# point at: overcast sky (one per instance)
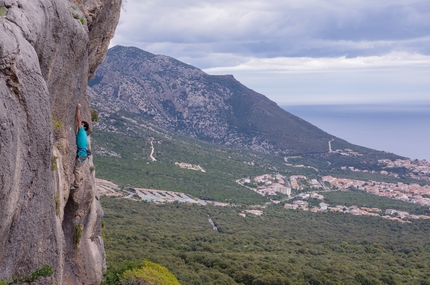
(294, 51)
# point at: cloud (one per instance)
(294, 51)
(337, 64)
(277, 28)
(395, 78)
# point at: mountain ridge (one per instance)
(214, 108)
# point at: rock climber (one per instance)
(83, 151)
(81, 136)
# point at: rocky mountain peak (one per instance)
(215, 108)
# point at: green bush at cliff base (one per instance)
(150, 273)
(44, 271)
(112, 276)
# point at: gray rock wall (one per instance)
(48, 51)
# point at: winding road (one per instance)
(152, 152)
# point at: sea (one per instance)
(403, 129)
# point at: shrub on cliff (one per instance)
(44, 271)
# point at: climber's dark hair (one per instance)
(86, 126)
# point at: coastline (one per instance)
(400, 129)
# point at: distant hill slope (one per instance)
(218, 109)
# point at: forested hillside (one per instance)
(280, 247)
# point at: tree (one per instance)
(149, 273)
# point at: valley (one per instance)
(215, 214)
(217, 183)
(152, 164)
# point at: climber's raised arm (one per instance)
(78, 117)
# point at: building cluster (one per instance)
(267, 184)
(190, 166)
(418, 169)
(161, 196)
(323, 207)
(412, 193)
(297, 205)
(108, 189)
(298, 182)
(347, 152)
(295, 181)
(315, 184)
(101, 151)
(383, 172)
(253, 212)
(270, 184)
(390, 214)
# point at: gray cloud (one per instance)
(279, 28)
(294, 51)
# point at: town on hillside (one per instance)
(272, 185)
(415, 169)
(296, 190)
(412, 193)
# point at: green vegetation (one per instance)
(149, 273)
(2, 11)
(136, 169)
(56, 124)
(224, 165)
(57, 127)
(280, 247)
(373, 176)
(44, 271)
(57, 203)
(94, 116)
(76, 15)
(363, 199)
(54, 162)
(331, 165)
(77, 235)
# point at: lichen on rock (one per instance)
(46, 59)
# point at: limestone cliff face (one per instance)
(48, 51)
